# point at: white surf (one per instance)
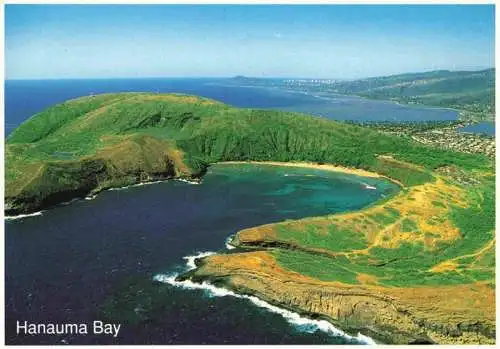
(371, 187)
(187, 181)
(302, 323)
(228, 243)
(11, 218)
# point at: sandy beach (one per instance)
(325, 167)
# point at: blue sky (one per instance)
(329, 41)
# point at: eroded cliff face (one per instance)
(390, 315)
(131, 160)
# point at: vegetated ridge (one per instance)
(468, 90)
(472, 93)
(418, 267)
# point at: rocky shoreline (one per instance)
(23, 207)
(223, 282)
(380, 315)
(388, 315)
(94, 172)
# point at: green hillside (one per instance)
(91, 143)
(473, 91)
(470, 92)
(421, 264)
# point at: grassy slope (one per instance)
(468, 90)
(431, 249)
(472, 92)
(436, 231)
(401, 243)
(206, 131)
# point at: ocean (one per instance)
(24, 98)
(113, 258)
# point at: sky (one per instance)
(320, 41)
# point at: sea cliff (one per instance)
(418, 267)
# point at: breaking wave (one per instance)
(92, 197)
(65, 203)
(190, 259)
(228, 243)
(187, 181)
(138, 185)
(155, 182)
(367, 186)
(302, 323)
(11, 218)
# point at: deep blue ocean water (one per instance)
(96, 259)
(23, 98)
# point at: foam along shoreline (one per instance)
(302, 323)
(39, 213)
(155, 182)
(93, 196)
(140, 184)
(12, 218)
(187, 181)
(228, 243)
(190, 260)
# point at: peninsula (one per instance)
(418, 267)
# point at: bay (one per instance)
(97, 259)
(485, 127)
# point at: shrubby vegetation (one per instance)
(472, 92)
(207, 132)
(97, 142)
(136, 135)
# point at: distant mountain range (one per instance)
(471, 91)
(417, 267)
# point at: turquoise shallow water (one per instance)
(97, 259)
(306, 191)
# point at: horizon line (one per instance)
(241, 76)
